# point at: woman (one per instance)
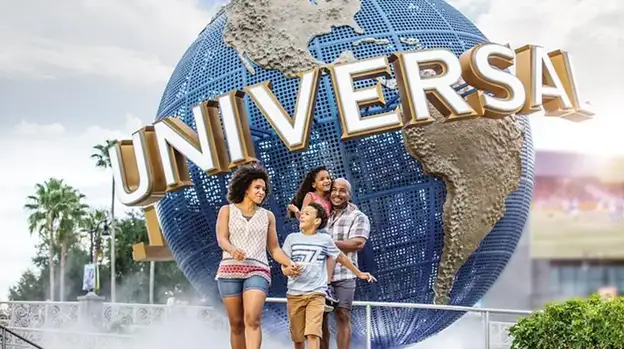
(244, 232)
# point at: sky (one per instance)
(76, 72)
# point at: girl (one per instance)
(315, 188)
(245, 231)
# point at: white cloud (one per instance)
(39, 152)
(31, 129)
(48, 59)
(135, 41)
(593, 36)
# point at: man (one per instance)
(349, 228)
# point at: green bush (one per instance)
(591, 323)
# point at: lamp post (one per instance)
(151, 282)
(113, 247)
(95, 240)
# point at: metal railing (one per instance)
(31, 319)
(486, 312)
(4, 332)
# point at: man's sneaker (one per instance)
(330, 300)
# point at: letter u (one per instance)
(137, 169)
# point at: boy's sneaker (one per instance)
(328, 308)
(330, 300)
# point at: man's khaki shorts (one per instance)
(305, 314)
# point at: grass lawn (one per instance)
(588, 235)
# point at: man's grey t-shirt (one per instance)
(310, 252)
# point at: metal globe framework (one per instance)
(403, 204)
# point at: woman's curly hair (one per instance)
(242, 178)
(305, 187)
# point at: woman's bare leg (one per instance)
(234, 309)
(253, 301)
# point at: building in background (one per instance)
(576, 226)
(574, 242)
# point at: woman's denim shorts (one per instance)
(236, 287)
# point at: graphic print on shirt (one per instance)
(308, 253)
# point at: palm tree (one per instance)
(102, 160)
(47, 207)
(67, 235)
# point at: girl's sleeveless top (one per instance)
(250, 236)
(321, 201)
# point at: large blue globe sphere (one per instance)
(404, 204)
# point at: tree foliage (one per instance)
(592, 323)
(132, 277)
(71, 234)
(55, 210)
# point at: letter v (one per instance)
(294, 131)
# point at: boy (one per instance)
(306, 291)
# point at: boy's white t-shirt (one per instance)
(310, 252)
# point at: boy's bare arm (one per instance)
(344, 260)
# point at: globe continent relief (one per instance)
(447, 202)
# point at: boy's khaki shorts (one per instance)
(305, 314)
